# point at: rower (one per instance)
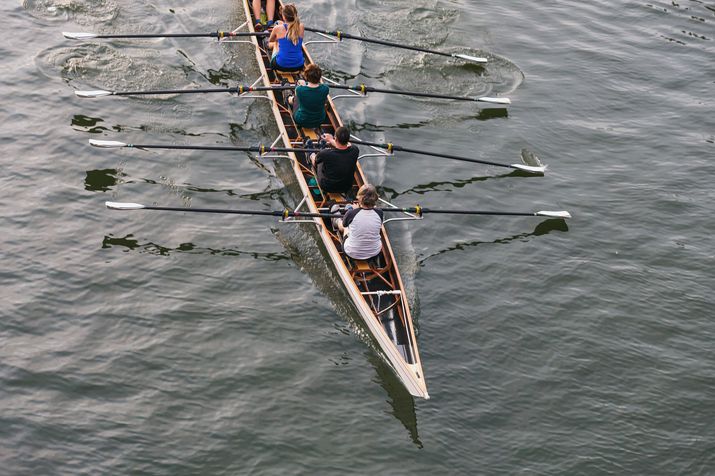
(287, 41)
(361, 226)
(270, 9)
(335, 165)
(309, 99)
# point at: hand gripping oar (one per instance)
(108, 144)
(246, 89)
(392, 147)
(340, 35)
(214, 34)
(292, 213)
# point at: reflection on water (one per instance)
(543, 228)
(131, 244)
(403, 404)
(102, 180)
(89, 124)
(492, 113)
(449, 185)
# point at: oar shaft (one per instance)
(174, 91)
(236, 90)
(213, 34)
(193, 147)
(340, 35)
(420, 210)
(433, 154)
(215, 210)
(369, 89)
(263, 149)
(275, 213)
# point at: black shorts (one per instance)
(275, 65)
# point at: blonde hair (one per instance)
(290, 15)
(367, 195)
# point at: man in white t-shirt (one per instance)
(361, 226)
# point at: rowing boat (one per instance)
(375, 288)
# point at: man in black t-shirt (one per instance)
(335, 166)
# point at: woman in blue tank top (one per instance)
(287, 41)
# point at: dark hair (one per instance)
(313, 73)
(367, 196)
(342, 135)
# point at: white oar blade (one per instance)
(93, 94)
(124, 206)
(473, 59)
(532, 169)
(560, 214)
(106, 144)
(494, 100)
(78, 36)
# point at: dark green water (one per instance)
(149, 343)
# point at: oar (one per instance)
(214, 34)
(109, 144)
(245, 89)
(392, 147)
(340, 35)
(292, 213)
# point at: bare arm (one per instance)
(274, 33)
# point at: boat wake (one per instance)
(85, 12)
(530, 158)
(101, 66)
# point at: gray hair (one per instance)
(367, 195)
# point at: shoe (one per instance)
(308, 144)
(334, 221)
(258, 26)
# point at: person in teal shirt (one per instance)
(309, 99)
